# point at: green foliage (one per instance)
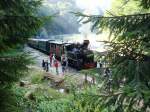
(37, 78)
(12, 100)
(46, 94)
(129, 57)
(71, 81)
(9, 71)
(121, 7)
(21, 101)
(44, 99)
(91, 72)
(53, 106)
(145, 4)
(18, 22)
(86, 101)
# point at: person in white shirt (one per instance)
(98, 66)
(53, 58)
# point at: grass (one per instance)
(45, 98)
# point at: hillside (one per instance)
(64, 22)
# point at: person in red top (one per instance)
(51, 58)
(56, 66)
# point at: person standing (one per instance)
(66, 59)
(98, 67)
(51, 58)
(107, 72)
(63, 63)
(56, 66)
(46, 66)
(43, 64)
(100, 63)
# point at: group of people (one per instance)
(55, 63)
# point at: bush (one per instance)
(46, 94)
(36, 77)
(19, 102)
(71, 81)
(59, 105)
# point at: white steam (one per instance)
(92, 7)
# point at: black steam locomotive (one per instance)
(79, 56)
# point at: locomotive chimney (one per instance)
(86, 42)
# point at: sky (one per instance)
(94, 7)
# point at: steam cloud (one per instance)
(91, 7)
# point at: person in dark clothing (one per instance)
(101, 65)
(64, 62)
(43, 64)
(107, 72)
(63, 65)
(51, 58)
(46, 66)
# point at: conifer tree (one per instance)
(129, 54)
(18, 22)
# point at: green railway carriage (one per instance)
(42, 45)
(33, 43)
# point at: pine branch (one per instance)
(99, 16)
(128, 55)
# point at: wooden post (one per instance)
(85, 81)
(93, 80)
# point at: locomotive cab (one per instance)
(88, 59)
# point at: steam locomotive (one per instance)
(79, 56)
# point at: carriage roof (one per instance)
(34, 39)
(56, 42)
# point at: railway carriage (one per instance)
(43, 45)
(57, 47)
(33, 43)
